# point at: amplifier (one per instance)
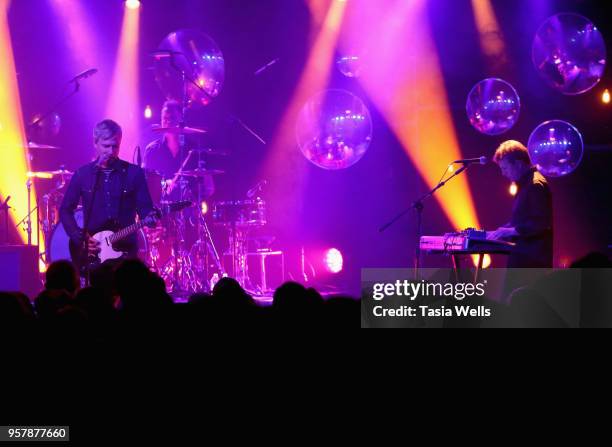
(19, 270)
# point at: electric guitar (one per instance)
(81, 257)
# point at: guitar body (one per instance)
(106, 248)
(107, 251)
(107, 238)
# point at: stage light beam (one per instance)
(605, 97)
(83, 49)
(403, 77)
(283, 164)
(123, 105)
(15, 163)
(492, 42)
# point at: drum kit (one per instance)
(181, 247)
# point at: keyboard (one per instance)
(466, 242)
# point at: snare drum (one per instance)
(242, 213)
(58, 245)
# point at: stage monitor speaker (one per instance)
(19, 270)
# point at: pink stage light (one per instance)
(334, 260)
(148, 113)
(123, 98)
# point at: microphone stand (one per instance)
(77, 87)
(419, 207)
(188, 79)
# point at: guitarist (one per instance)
(111, 191)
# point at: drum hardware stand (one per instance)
(202, 230)
(303, 264)
(204, 238)
(178, 267)
(179, 264)
(27, 220)
(5, 207)
(238, 240)
(47, 221)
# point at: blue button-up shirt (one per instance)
(121, 194)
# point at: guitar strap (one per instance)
(124, 178)
(83, 263)
(89, 210)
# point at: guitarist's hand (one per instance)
(93, 246)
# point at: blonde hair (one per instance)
(106, 129)
(513, 151)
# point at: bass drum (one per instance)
(58, 248)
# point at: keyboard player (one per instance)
(531, 224)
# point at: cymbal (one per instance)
(47, 175)
(179, 130)
(62, 173)
(32, 145)
(201, 172)
(210, 151)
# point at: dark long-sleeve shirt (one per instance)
(121, 194)
(159, 158)
(532, 216)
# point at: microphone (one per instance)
(469, 161)
(255, 189)
(265, 67)
(84, 75)
(138, 157)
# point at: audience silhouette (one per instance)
(128, 296)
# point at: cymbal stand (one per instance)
(6, 207)
(204, 245)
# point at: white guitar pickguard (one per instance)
(106, 249)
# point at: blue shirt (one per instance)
(121, 194)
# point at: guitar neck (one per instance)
(127, 231)
(122, 234)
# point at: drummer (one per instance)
(166, 155)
